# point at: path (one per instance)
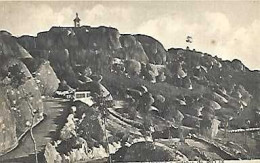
(43, 133)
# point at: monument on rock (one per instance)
(77, 21)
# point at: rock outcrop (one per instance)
(148, 152)
(188, 80)
(133, 49)
(8, 137)
(46, 79)
(21, 97)
(9, 47)
(153, 49)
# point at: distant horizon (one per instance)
(229, 30)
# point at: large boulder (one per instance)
(218, 98)
(148, 152)
(21, 100)
(186, 83)
(9, 47)
(46, 79)
(51, 155)
(8, 137)
(133, 49)
(148, 73)
(57, 37)
(153, 68)
(172, 114)
(208, 61)
(237, 65)
(62, 64)
(191, 121)
(44, 75)
(153, 49)
(235, 104)
(91, 128)
(44, 41)
(28, 42)
(132, 67)
(210, 103)
(104, 37)
(245, 96)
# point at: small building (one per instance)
(83, 96)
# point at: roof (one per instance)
(77, 19)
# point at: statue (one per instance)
(77, 21)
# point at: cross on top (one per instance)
(77, 21)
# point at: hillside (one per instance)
(191, 98)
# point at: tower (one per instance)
(77, 21)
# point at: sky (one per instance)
(228, 29)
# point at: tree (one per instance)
(102, 105)
(145, 104)
(16, 75)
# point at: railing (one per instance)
(243, 130)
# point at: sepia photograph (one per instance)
(130, 81)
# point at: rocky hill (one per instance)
(166, 93)
(21, 105)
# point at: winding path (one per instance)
(43, 133)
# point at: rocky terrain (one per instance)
(150, 103)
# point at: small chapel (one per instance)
(77, 21)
